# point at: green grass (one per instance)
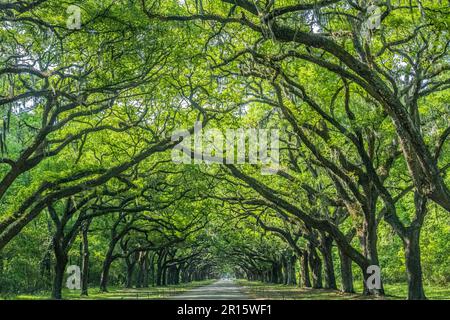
(115, 293)
(259, 290)
(400, 291)
(253, 289)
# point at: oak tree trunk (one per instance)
(316, 268)
(326, 250)
(304, 270)
(60, 267)
(413, 265)
(346, 273)
(85, 259)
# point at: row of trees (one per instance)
(365, 114)
(84, 114)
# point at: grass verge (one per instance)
(264, 291)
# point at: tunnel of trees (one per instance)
(87, 115)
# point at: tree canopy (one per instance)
(359, 92)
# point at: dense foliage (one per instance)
(87, 175)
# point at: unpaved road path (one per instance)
(220, 290)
